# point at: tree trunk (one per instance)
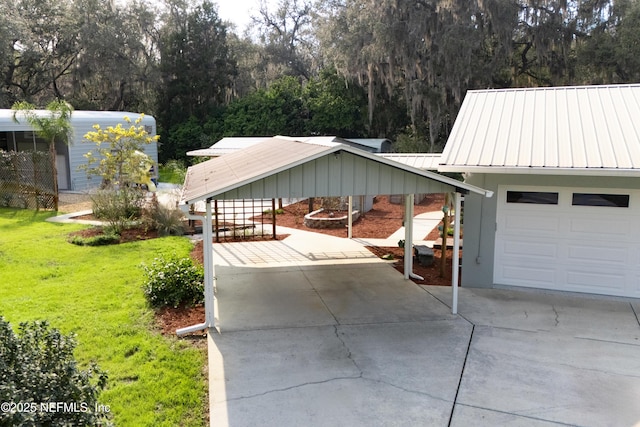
(54, 168)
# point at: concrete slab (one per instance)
(386, 374)
(373, 294)
(417, 357)
(552, 377)
(289, 296)
(268, 298)
(579, 315)
(464, 416)
(312, 339)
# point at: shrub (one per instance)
(99, 240)
(173, 281)
(37, 369)
(168, 221)
(118, 207)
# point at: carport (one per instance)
(283, 167)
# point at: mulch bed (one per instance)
(128, 235)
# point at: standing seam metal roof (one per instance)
(579, 129)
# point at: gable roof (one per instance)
(582, 130)
(286, 167)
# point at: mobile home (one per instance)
(20, 136)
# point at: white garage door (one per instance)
(569, 239)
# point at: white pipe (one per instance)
(415, 276)
(455, 255)
(189, 329)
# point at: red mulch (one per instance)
(128, 235)
(380, 222)
(168, 319)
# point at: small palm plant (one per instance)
(54, 127)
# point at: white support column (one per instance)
(210, 300)
(350, 218)
(408, 235)
(209, 294)
(456, 254)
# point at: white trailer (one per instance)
(21, 137)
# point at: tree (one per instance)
(56, 126)
(43, 53)
(287, 38)
(118, 66)
(336, 106)
(195, 63)
(278, 110)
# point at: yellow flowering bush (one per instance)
(121, 163)
(118, 157)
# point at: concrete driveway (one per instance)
(332, 336)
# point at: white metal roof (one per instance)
(227, 145)
(560, 130)
(77, 117)
(425, 161)
(230, 144)
(286, 167)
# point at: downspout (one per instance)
(408, 238)
(210, 301)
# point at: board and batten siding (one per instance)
(338, 174)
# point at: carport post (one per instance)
(456, 253)
(408, 235)
(207, 251)
(350, 218)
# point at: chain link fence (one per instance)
(26, 180)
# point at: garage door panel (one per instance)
(596, 280)
(531, 225)
(593, 249)
(615, 257)
(600, 229)
(526, 276)
(530, 249)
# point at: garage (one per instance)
(564, 163)
(568, 239)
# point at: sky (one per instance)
(238, 11)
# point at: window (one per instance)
(610, 200)
(533, 197)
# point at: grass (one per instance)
(96, 293)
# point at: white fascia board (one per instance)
(541, 171)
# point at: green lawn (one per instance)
(96, 293)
